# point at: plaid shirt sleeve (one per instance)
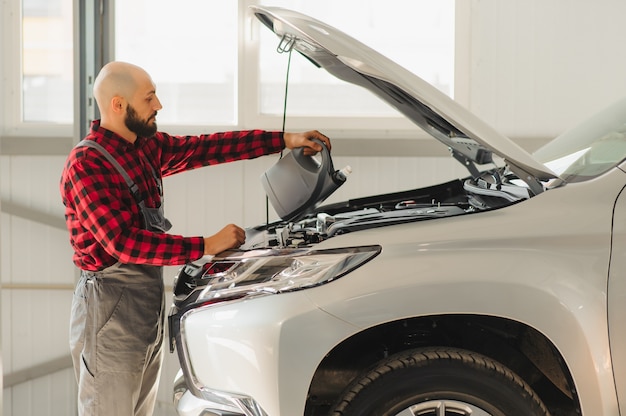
(180, 153)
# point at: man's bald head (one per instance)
(127, 100)
(117, 79)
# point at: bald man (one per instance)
(111, 187)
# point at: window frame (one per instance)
(248, 116)
(11, 122)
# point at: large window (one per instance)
(47, 62)
(191, 51)
(214, 64)
(418, 35)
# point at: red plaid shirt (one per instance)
(104, 220)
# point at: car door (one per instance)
(616, 298)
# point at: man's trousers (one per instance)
(116, 339)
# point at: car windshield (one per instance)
(590, 149)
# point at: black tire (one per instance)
(425, 382)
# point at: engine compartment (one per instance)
(492, 189)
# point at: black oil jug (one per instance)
(297, 183)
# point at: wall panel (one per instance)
(37, 277)
(538, 67)
(52, 395)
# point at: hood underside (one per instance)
(468, 137)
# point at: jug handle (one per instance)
(310, 163)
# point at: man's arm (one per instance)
(228, 237)
(180, 153)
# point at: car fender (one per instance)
(526, 263)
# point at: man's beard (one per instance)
(138, 126)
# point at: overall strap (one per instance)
(131, 184)
(153, 218)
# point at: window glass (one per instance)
(47, 61)
(189, 47)
(418, 35)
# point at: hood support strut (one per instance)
(466, 161)
(535, 186)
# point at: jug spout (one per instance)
(340, 176)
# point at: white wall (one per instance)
(536, 67)
(1, 382)
(531, 68)
(37, 277)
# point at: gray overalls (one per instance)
(116, 327)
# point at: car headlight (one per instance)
(261, 272)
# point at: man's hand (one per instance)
(293, 140)
(228, 237)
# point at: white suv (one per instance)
(502, 293)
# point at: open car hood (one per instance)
(469, 139)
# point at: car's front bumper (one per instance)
(230, 356)
(213, 404)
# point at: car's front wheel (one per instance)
(440, 382)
